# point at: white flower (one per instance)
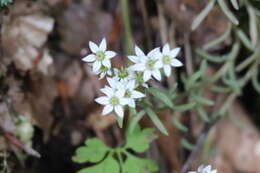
(206, 169)
(103, 71)
(124, 74)
(115, 84)
(100, 56)
(131, 94)
(114, 100)
(168, 59)
(139, 55)
(149, 65)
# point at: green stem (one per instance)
(127, 27)
(119, 155)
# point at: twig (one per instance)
(21, 146)
(162, 23)
(188, 54)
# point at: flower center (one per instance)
(122, 73)
(150, 64)
(139, 78)
(128, 93)
(100, 55)
(114, 101)
(103, 69)
(166, 60)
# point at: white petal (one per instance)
(200, 168)
(107, 109)
(155, 53)
(147, 75)
(120, 93)
(120, 85)
(137, 67)
(109, 72)
(103, 45)
(96, 66)
(134, 59)
(112, 82)
(106, 63)
(131, 103)
(167, 70)
(175, 52)
(166, 48)
(138, 51)
(137, 94)
(207, 168)
(93, 47)
(143, 59)
(157, 75)
(124, 101)
(176, 63)
(102, 75)
(110, 54)
(108, 91)
(158, 64)
(214, 171)
(131, 84)
(102, 100)
(119, 111)
(145, 85)
(89, 58)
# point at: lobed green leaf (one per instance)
(139, 165)
(140, 140)
(109, 165)
(94, 151)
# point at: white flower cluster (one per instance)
(124, 84)
(205, 169)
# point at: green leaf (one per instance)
(184, 107)
(186, 144)
(228, 12)
(139, 165)
(211, 58)
(138, 140)
(94, 151)
(135, 120)
(244, 39)
(109, 165)
(196, 76)
(220, 39)
(253, 25)
(235, 4)
(255, 81)
(220, 89)
(178, 124)
(203, 14)
(233, 80)
(203, 114)
(156, 120)
(161, 96)
(202, 100)
(172, 91)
